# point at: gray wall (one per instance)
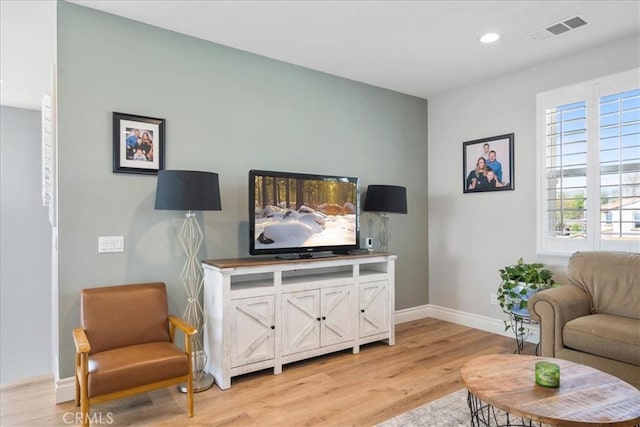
(227, 111)
(472, 235)
(25, 251)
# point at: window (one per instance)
(589, 165)
(608, 217)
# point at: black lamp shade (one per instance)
(386, 198)
(188, 191)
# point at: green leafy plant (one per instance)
(519, 282)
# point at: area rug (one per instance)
(450, 410)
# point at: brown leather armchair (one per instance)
(125, 345)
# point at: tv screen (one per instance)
(294, 213)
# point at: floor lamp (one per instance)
(191, 191)
(385, 199)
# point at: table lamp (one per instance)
(384, 199)
(191, 191)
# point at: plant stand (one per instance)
(518, 320)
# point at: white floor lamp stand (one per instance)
(191, 237)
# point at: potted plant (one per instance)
(519, 282)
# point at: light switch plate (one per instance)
(109, 244)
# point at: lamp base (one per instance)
(384, 232)
(205, 383)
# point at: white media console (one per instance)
(266, 312)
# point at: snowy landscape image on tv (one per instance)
(304, 211)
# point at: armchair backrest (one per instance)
(119, 316)
(610, 279)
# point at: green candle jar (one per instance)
(547, 374)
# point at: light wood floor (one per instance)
(339, 389)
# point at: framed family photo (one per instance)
(487, 164)
(138, 144)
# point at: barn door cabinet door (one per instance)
(316, 318)
(374, 308)
(252, 330)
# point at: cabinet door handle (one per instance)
(273, 327)
(318, 319)
(324, 318)
(362, 310)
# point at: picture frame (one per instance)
(138, 144)
(496, 173)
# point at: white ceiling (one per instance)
(420, 48)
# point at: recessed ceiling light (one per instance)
(489, 38)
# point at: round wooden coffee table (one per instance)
(586, 396)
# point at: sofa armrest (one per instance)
(552, 309)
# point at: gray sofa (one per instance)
(595, 318)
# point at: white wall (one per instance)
(25, 251)
(472, 235)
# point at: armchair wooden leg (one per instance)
(83, 390)
(190, 395)
(84, 410)
(77, 372)
(77, 391)
(189, 354)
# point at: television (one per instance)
(299, 215)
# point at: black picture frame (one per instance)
(476, 179)
(147, 155)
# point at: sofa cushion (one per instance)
(610, 279)
(127, 367)
(613, 337)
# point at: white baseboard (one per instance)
(65, 387)
(411, 314)
(65, 390)
(484, 323)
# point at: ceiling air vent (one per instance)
(558, 28)
(575, 22)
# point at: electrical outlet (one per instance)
(494, 299)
